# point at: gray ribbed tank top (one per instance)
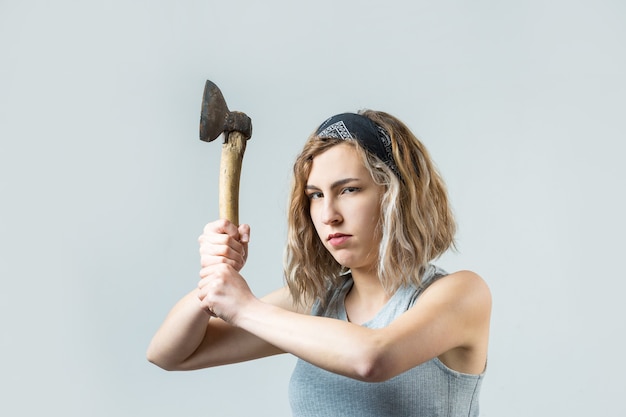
(428, 390)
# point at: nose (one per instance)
(330, 213)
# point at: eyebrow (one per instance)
(334, 185)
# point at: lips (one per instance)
(337, 239)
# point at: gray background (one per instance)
(105, 185)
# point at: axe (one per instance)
(215, 119)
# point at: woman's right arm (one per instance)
(190, 338)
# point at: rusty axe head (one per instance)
(215, 117)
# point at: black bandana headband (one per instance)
(372, 137)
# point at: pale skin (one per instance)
(222, 321)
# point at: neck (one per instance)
(367, 284)
(366, 297)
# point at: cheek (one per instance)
(314, 216)
(374, 222)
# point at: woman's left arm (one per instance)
(449, 320)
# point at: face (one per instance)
(345, 207)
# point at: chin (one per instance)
(346, 262)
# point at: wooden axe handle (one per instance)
(230, 173)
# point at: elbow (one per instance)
(166, 366)
(163, 365)
(372, 371)
(153, 356)
(155, 360)
(373, 365)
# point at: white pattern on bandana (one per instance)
(337, 130)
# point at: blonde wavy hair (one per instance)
(416, 222)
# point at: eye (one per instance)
(314, 195)
(350, 190)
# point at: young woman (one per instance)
(378, 330)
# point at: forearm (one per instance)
(181, 333)
(337, 346)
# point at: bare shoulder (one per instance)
(463, 293)
(450, 320)
(461, 283)
(460, 303)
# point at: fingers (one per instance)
(212, 253)
(244, 233)
(205, 300)
(214, 276)
(223, 242)
(221, 246)
(222, 226)
(211, 285)
(222, 291)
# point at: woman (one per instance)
(378, 330)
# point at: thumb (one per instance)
(244, 234)
(244, 239)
